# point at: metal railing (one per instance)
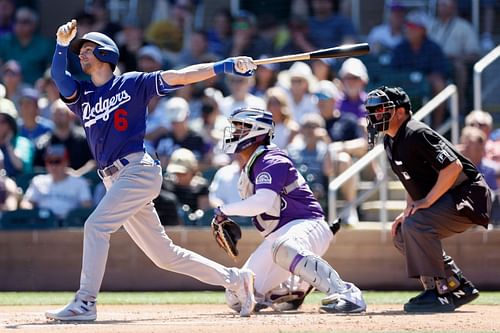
(381, 184)
(478, 70)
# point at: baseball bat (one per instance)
(348, 50)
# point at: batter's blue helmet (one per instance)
(106, 51)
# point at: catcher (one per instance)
(288, 217)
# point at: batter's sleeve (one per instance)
(435, 150)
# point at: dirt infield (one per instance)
(217, 318)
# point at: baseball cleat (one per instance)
(349, 301)
(430, 301)
(245, 293)
(464, 294)
(77, 310)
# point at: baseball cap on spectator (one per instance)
(397, 5)
(8, 111)
(244, 20)
(56, 151)
(12, 66)
(177, 109)
(152, 52)
(327, 90)
(418, 19)
(182, 161)
(30, 93)
(354, 67)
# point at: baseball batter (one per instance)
(287, 215)
(113, 112)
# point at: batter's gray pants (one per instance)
(419, 237)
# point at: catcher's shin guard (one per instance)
(308, 266)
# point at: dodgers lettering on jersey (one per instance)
(274, 170)
(114, 114)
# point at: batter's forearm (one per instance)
(188, 75)
(64, 82)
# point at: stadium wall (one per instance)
(51, 260)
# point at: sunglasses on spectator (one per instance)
(241, 25)
(54, 161)
(476, 124)
(24, 21)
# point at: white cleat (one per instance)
(77, 310)
(245, 293)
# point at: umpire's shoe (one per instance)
(465, 293)
(430, 301)
(78, 310)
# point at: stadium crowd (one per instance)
(318, 107)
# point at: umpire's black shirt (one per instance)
(417, 154)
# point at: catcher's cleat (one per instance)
(245, 293)
(464, 294)
(77, 310)
(350, 301)
(430, 301)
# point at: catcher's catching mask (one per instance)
(247, 126)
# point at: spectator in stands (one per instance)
(210, 125)
(48, 94)
(484, 121)
(132, 40)
(385, 37)
(246, 39)
(6, 105)
(100, 12)
(308, 152)
(417, 53)
(9, 193)
(16, 152)
(472, 146)
(488, 9)
(459, 42)
(285, 128)
(196, 51)
(57, 191)
(32, 51)
(71, 136)
(354, 77)
(347, 142)
(299, 40)
(240, 96)
(13, 80)
(183, 189)
(327, 28)
(7, 9)
(300, 84)
(181, 136)
(219, 33)
(323, 69)
(31, 125)
(266, 77)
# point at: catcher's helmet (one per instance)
(106, 50)
(381, 104)
(247, 126)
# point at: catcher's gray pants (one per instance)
(128, 203)
(419, 237)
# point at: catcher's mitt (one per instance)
(227, 233)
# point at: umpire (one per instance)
(446, 195)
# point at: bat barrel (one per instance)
(350, 50)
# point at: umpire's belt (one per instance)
(113, 168)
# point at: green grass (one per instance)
(204, 297)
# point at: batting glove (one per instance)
(66, 33)
(242, 66)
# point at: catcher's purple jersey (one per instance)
(274, 170)
(114, 114)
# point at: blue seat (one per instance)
(28, 219)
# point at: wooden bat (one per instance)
(348, 50)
